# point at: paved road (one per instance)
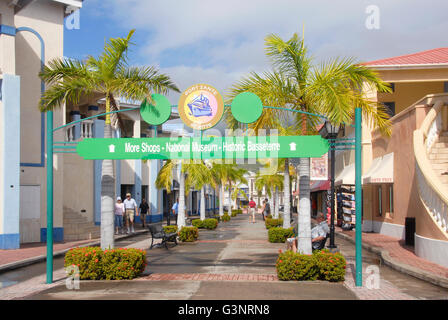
(234, 261)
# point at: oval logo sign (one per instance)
(201, 107)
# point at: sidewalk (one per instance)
(37, 252)
(400, 257)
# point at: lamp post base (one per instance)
(333, 249)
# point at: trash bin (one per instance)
(409, 229)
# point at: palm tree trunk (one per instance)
(181, 210)
(277, 204)
(107, 192)
(221, 200)
(203, 203)
(304, 221)
(229, 209)
(286, 197)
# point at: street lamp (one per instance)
(330, 131)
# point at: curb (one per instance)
(399, 266)
(41, 258)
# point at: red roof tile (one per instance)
(434, 56)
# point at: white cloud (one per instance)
(230, 34)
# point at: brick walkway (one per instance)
(210, 277)
(28, 251)
(398, 251)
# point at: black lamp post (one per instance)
(330, 131)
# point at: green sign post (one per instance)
(247, 147)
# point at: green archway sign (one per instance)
(201, 107)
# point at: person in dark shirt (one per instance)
(144, 208)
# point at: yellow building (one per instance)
(405, 191)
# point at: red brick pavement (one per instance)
(210, 277)
(33, 250)
(398, 251)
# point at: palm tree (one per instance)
(198, 175)
(219, 174)
(237, 191)
(271, 182)
(111, 76)
(234, 176)
(332, 88)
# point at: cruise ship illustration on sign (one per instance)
(200, 107)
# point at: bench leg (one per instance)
(152, 241)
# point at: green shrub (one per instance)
(188, 234)
(271, 223)
(269, 216)
(198, 223)
(296, 266)
(237, 211)
(331, 265)
(210, 224)
(205, 224)
(321, 265)
(113, 264)
(217, 217)
(225, 217)
(279, 235)
(170, 229)
(233, 214)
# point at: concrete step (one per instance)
(438, 156)
(440, 166)
(439, 161)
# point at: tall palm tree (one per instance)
(332, 88)
(111, 76)
(165, 179)
(270, 182)
(198, 175)
(219, 173)
(237, 191)
(235, 175)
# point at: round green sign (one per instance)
(246, 107)
(157, 113)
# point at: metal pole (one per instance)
(332, 245)
(358, 196)
(50, 197)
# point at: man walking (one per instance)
(131, 209)
(144, 208)
(175, 209)
(252, 206)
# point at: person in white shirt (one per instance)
(131, 209)
(119, 211)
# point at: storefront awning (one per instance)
(346, 177)
(381, 170)
(320, 185)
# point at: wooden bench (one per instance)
(157, 232)
(190, 219)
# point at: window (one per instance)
(380, 202)
(392, 86)
(390, 108)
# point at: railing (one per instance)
(433, 193)
(85, 131)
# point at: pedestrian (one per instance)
(144, 208)
(175, 209)
(131, 210)
(119, 211)
(252, 206)
(266, 209)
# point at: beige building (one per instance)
(31, 34)
(405, 194)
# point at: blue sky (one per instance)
(218, 42)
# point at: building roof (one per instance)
(434, 57)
